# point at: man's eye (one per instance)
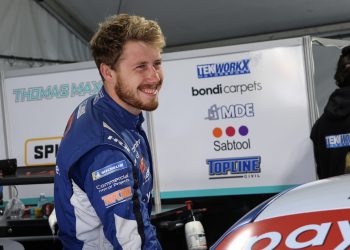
(157, 64)
(142, 66)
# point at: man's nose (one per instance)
(153, 74)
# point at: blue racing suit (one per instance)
(103, 179)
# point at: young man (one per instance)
(103, 179)
(331, 132)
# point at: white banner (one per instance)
(234, 123)
(231, 120)
(38, 103)
(38, 107)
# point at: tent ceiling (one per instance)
(198, 21)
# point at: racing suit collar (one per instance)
(115, 111)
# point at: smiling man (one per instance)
(103, 180)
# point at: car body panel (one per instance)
(314, 215)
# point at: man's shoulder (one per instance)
(114, 137)
(83, 132)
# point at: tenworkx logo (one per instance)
(223, 69)
(338, 141)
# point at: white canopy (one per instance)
(30, 36)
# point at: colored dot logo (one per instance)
(217, 132)
(230, 131)
(243, 130)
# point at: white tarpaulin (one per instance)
(29, 31)
(38, 103)
(53, 96)
(234, 120)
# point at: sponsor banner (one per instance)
(39, 104)
(315, 230)
(233, 121)
(221, 103)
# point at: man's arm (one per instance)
(105, 175)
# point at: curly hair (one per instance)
(107, 43)
(342, 74)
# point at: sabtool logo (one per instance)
(228, 144)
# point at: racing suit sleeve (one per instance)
(105, 175)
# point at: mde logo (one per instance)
(230, 132)
(238, 167)
(223, 69)
(232, 111)
(41, 151)
(324, 230)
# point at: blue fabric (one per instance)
(104, 148)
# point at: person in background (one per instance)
(331, 132)
(103, 179)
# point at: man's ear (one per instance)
(106, 72)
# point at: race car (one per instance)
(314, 215)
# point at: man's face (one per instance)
(139, 77)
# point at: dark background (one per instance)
(221, 213)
